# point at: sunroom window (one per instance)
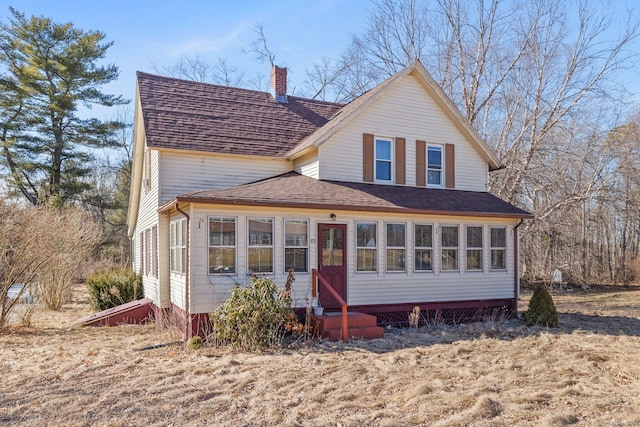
(366, 246)
(498, 248)
(449, 244)
(296, 244)
(396, 247)
(222, 245)
(423, 241)
(260, 247)
(474, 248)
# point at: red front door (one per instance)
(332, 262)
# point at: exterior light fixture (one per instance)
(333, 217)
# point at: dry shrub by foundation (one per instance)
(541, 311)
(255, 316)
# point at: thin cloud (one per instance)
(204, 45)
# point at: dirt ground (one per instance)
(493, 373)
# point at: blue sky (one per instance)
(147, 33)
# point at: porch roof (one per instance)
(298, 191)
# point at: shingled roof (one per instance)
(187, 115)
(298, 191)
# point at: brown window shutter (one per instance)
(367, 157)
(400, 161)
(421, 163)
(450, 170)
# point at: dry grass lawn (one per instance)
(587, 373)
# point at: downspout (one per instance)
(186, 274)
(516, 274)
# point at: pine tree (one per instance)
(48, 71)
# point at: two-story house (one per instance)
(385, 197)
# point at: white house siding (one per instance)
(406, 110)
(209, 291)
(147, 218)
(308, 165)
(186, 172)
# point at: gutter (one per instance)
(186, 273)
(516, 278)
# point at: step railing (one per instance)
(317, 277)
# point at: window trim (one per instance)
(443, 248)
(474, 248)
(154, 251)
(235, 246)
(422, 248)
(367, 248)
(285, 246)
(177, 243)
(391, 159)
(440, 148)
(492, 248)
(387, 247)
(260, 246)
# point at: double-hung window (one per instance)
(434, 166)
(498, 248)
(178, 245)
(296, 245)
(260, 247)
(384, 159)
(396, 246)
(449, 247)
(222, 245)
(423, 242)
(474, 248)
(366, 246)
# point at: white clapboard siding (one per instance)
(308, 165)
(188, 171)
(406, 110)
(209, 291)
(147, 218)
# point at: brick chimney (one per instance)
(279, 83)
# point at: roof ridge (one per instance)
(208, 84)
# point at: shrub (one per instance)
(110, 288)
(195, 343)
(254, 317)
(541, 311)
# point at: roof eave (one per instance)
(337, 207)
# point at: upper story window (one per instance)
(260, 247)
(434, 166)
(383, 159)
(222, 245)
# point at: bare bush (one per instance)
(21, 254)
(69, 240)
(42, 248)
